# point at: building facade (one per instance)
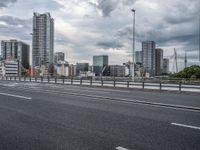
(16, 50)
(11, 68)
(43, 40)
(158, 61)
(62, 69)
(99, 64)
(148, 57)
(118, 71)
(59, 56)
(72, 70)
(165, 66)
(138, 57)
(81, 67)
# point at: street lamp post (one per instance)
(133, 63)
(199, 38)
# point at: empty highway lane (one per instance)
(62, 117)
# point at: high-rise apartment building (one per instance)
(59, 56)
(165, 66)
(158, 61)
(99, 62)
(148, 57)
(43, 40)
(16, 50)
(138, 57)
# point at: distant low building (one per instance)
(11, 68)
(59, 56)
(63, 68)
(99, 64)
(118, 71)
(81, 67)
(2, 69)
(165, 66)
(72, 70)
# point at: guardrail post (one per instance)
(55, 80)
(160, 86)
(71, 81)
(81, 81)
(41, 79)
(127, 84)
(114, 83)
(35, 79)
(63, 80)
(30, 78)
(90, 82)
(180, 83)
(143, 85)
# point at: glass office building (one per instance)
(99, 62)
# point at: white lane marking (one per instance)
(17, 96)
(121, 148)
(93, 89)
(66, 89)
(186, 126)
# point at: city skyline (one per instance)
(87, 28)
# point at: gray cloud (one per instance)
(108, 6)
(16, 27)
(4, 3)
(108, 24)
(110, 44)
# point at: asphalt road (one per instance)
(37, 116)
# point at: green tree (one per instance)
(189, 72)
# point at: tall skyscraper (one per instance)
(159, 61)
(99, 62)
(148, 56)
(165, 66)
(59, 56)
(16, 50)
(138, 57)
(43, 40)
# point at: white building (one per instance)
(2, 70)
(62, 68)
(11, 68)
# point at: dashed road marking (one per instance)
(17, 96)
(121, 148)
(185, 126)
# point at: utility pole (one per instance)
(175, 60)
(133, 63)
(199, 38)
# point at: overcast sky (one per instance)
(84, 28)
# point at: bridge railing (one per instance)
(176, 85)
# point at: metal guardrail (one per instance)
(110, 83)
